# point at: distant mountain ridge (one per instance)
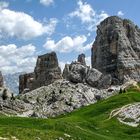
(11, 81)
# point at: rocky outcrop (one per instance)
(1, 80)
(58, 98)
(26, 82)
(116, 49)
(128, 114)
(62, 97)
(81, 59)
(15, 107)
(5, 93)
(46, 72)
(77, 72)
(66, 72)
(80, 73)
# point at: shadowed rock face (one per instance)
(116, 49)
(47, 70)
(45, 73)
(26, 82)
(1, 80)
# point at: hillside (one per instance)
(87, 123)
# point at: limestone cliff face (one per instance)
(26, 82)
(46, 72)
(116, 49)
(1, 80)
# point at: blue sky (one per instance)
(29, 28)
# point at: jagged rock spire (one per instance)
(1, 79)
(81, 59)
(47, 70)
(116, 49)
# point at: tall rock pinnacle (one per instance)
(1, 80)
(46, 72)
(116, 49)
(81, 59)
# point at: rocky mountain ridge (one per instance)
(48, 93)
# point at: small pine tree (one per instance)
(4, 95)
(120, 92)
(124, 91)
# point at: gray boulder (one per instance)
(96, 79)
(104, 82)
(93, 76)
(77, 72)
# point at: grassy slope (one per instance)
(88, 123)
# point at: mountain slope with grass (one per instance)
(88, 123)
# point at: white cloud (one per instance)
(51, 25)
(62, 64)
(88, 15)
(22, 25)
(88, 60)
(46, 2)
(68, 44)
(120, 13)
(17, 59)
(84, 12)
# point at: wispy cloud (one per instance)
(120, 13)
(88, 15)
(46, 2)
(68, 44)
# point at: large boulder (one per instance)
(116, 49)
(77, 72)
(96, 79)
(93, 76)
(1, 80)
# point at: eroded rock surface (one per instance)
(26, 82)
(1, 80)
(116, 49)
(46, 72)
(62, 97)
(130, 115)
(79, 73)
(81, 59)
